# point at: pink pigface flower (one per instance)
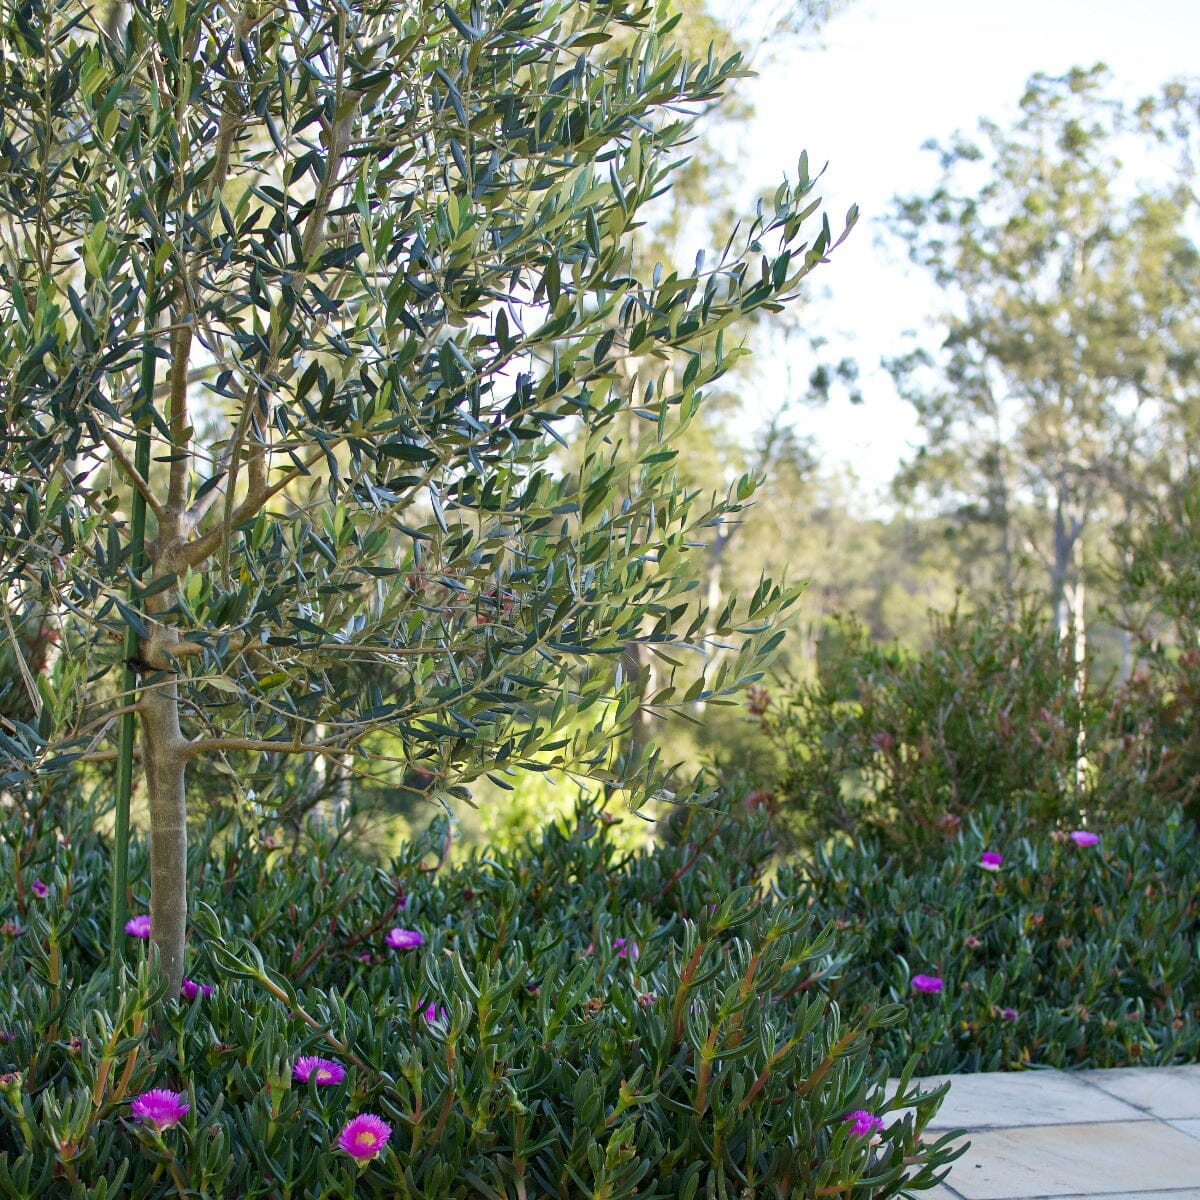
(625, 949)
(927, 983)
(989, 860)
(1008, 1014)
(1085, 837)
(404, 939)
(323, 1071)
(159, 1108)
(190, 989)
(434, 1012)
(364, 1136)
(138, 927)
(865, 1123)
(39, 889)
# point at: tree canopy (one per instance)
(1064, 244)
(300, 305)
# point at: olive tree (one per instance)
(299, 302)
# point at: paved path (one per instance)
(1130, 1134)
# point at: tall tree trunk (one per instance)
(641, 668)
(1005, 517)
(1079, 658)
(1067, 593)
(1126, 666)
(165, 756)
(636, 657)
(714, 593)
(163, 748)
(1066, 568)
(333, 788)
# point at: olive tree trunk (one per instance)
(165, 760)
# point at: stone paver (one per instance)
(1000, 1100)
(1169, 1194)
(1170, 1093)
(1066, 1160)
(1191, 1128)
(1173, 1194)
(1085, 1135)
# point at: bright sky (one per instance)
(889, 75)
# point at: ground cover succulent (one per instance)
(574, 1022)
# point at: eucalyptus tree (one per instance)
(300, 302)
(1064, 247)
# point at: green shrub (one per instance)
(1064, 956)
(1152, 758)
(575, 1023)
(1159, 598)
(904, 747)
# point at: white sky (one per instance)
(888, 75)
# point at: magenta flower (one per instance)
(625, 949)
(159, 1108)
(989, 860)
(1008, 1014)
(324, 1071)
(927, 983)
(404, 939)
(865, 1123)
(1084, 837)
(190, 989)
(434, 1012)
(364, 1136)
(39, 889)
(138, 927)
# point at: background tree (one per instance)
(381, 254)
(1070, 281)
(731, 444)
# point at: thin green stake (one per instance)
(129, 682)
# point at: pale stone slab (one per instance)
(1173, 1194)
(1125, 1159)
(941, 1192)
(1007, 1099)
(1191, 1128)
(1172, 1093)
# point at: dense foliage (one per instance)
(570, 1023)
(1061, 954)
(990, 822)
(992, 713)
(340, 420)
